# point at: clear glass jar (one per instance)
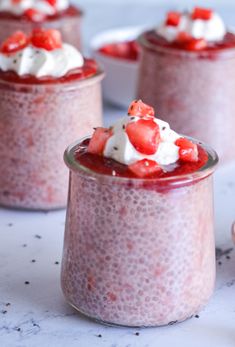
(139, 252)
(69, 26)
(193, 91)
(37, 121)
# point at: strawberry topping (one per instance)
(139, 109)
(34, 15)
(145, 167)
(98, 141)
(196, 44)
(144, 135)
(15, 42)
(173, 18)
(48, 39)
(52, 2)
(202, 13)
(188, 151)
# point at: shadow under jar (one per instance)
(37, 121)
(192, 90)
(138, 252)
(67, 22)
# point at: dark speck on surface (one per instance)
(38, 236)
(26, 282)
(24, 245)
(8, 304)
(196, 316)
(33, 261)
(137, 333)
(99, 335)
(4, 311)
(219, 263)
(10, 224)
(56, 263)
(222, 252)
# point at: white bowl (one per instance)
(119, 85)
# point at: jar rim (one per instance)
(203, 172)
(228, 52)
(99, 75)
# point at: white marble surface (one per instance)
(38, 315)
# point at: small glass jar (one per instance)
(139, 252)
(37, 121)
(193, 91)
(68, 23)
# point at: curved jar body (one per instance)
(36, 123)
(193, 91)
(138, 252)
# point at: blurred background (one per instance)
(103, 14)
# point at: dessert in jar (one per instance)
(139, 239)
(49, 93)
(125, 50)
(187, 71)
(27, 15)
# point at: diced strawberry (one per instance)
(98, 140)
(15, 42)
(196, 44)
(34, 15)
(144, 135)
(183, 37)
(188, 150)
(15, 2)
(173, 18)
(202, 13)
(145, 167)
(52, 2)
(139, 109)
(48, 39)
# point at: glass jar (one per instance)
(37, 121)
(193, 91)
(68, 23)
(139, 252)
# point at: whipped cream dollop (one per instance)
(119, 147)
(212, 29)
(43, 6)
(39, 62)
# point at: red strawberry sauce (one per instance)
(107, 166)
(227, 42)
(128, 50)
(89, 69)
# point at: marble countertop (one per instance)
(33, 311)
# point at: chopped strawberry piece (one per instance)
(15, 42)
(173, 18)
(139, 109)
(49, 39)
(145, 167)
(144, 135)
(202, 13)
(188, 151)
(34, 15)
(196, 44)
(15, 2)
(98, 141)
(183, 37)
(52, 2)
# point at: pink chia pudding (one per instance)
(139, 238)
(27, 15)
(39, 116)
(187, 71)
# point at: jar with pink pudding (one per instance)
(139, 245)
(27, 15)
(187, 71)
(49, 93)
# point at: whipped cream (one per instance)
(40, 62)
(211, 30)
(19, 7)
(119, 147)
